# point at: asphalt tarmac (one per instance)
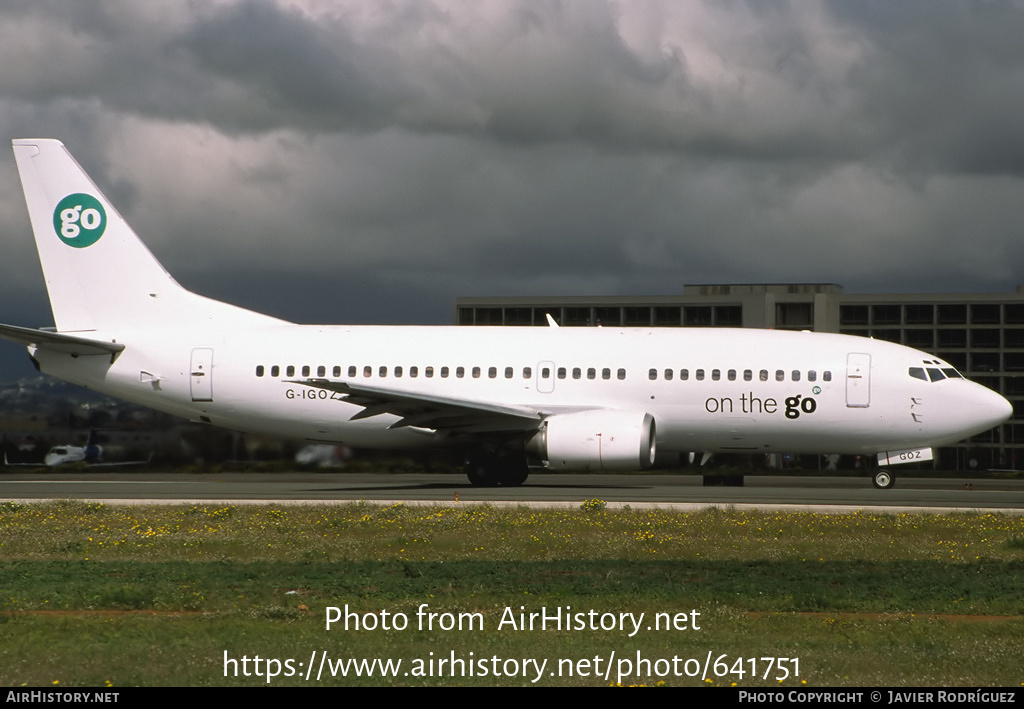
(818, 493)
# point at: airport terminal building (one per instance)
(981, 334)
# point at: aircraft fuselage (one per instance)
(708, 390)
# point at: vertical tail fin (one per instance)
(99, 275)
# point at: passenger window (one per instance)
(527, 372)
(290, 371)
(621, 374)
(652, 374)
(780, 376)
(305, 370)
(492, 372)
(351, 370)
(715, 375)
(684, 374)
(428, 372)
(732, 375)
(668, 375)
(508, 372)
(747, 375)
(367, 371)
(414, 371)
(321, 371)
(337, 371)
(383, 371)
(577, 372)
(398, 371)
(763, 375)
(476, 372)
(460, 372)
(275, 371)
(259, 370)
(796, 375)
(826, 376)
(606, 373)
(545, 373)
(561, 372)
(700, 375)
(812, 376)
(444, 372)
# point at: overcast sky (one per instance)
(371, 161)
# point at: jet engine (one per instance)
(596, 440)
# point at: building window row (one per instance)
(933, 314)
(608, 316)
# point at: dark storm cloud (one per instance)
(290, 70)
(539, 72)
(944, 82)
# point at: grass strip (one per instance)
(94, 594)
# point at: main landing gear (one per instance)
(883, 479)
(491, 471)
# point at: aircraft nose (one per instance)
(1001, 409)
(967, 411)
(987, 408)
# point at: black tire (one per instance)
(491, 472)
(481, 473)
(513, 472)
(883, 479)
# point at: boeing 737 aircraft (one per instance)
(566, 398)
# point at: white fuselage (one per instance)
(708, 390)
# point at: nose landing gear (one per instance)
(883, 479)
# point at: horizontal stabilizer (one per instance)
(58, 342)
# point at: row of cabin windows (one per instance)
(545, 373)
(444, 372)
(732, 375)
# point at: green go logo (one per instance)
(79, 220)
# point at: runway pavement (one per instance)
(818, 493)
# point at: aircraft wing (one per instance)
(121, 464)
(58, 342)
(431, 411)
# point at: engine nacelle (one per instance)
(596, 440)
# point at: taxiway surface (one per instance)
(645, 490)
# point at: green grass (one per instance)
(93, 594)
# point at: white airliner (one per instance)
(568, 398)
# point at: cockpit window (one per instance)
(934, 374)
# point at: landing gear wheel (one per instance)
(491, 472)
(513, 473)
(481, 474)
(883, 479)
